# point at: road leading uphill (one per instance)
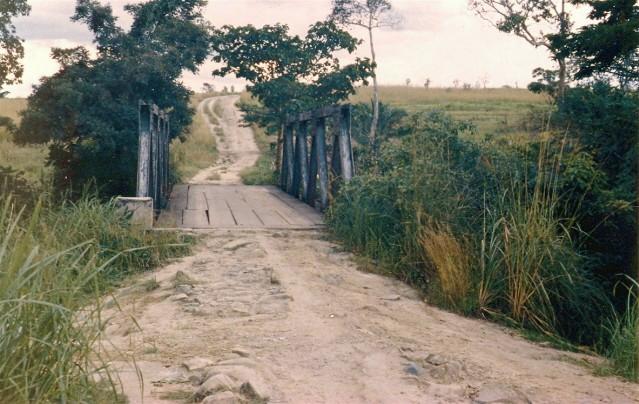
(285, 316)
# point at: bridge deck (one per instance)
(237, 206)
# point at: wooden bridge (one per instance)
(306, 182)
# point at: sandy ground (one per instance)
(236, 146)
(286, 317)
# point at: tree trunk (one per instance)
(278, 149)
(561, 86)
(373, 132)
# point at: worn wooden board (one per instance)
(240, 206)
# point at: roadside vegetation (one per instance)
(195, 149)
(56, 263)
(264, 171)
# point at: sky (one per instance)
(438, 39)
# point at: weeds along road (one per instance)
(285, 316)
(235, 143)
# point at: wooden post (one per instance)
(304, 158)
(345, 149)
(167, 154)
(309, 196)
(144, 150)
(322, 164)
(300, 167)
(154, 156)
(287, 159)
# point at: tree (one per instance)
(456, 83)
(88, 111)
(370, 15)
(427, 84)
(408, 81)
(528, 19)
(208, 88)
(609, 46)
(11, 49)
(288, 74)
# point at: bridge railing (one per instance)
(301, 174)
(153, 154)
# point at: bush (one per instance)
(478, 226)
(55, 263)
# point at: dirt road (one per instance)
(235, 143)
(284, 316)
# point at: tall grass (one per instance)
(478, 228)
(263, 172)
(623, 349)
(195, 152)
(55, 262)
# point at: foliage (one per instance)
(11, 49)
(55, 262)
(530, 20)
(623, 351)
(195, 150)
(88, 110)
(370, 15)
(479, 226)
(288, 73)
(611, 44)
(263, 172)
(601, 171)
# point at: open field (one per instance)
(29, 159)
(492, 111)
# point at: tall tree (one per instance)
(11, 49)
(288, 73)
(87, 111)
(529, 20)
(611, 44)
(370, 15)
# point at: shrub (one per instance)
(479, 226)
(55, 263)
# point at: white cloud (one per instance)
(439, 39)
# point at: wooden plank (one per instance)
(308, 213)
(309, 197)
(219, 212)
(144, 151)
(303, 158)
(297, 169)
(265, 206)
(242, 212)
(345, 150)
(272, 197)
(323, 112)
(322, 164)
(196, 199)
(196, 219)
(288, 159)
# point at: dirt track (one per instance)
(286, 315)
(236, 146)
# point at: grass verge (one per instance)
(196, 151)
(55, 264)
(263, 172)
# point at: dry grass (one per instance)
(198, 151)
(450, 262)
(29, 159)
(492, 111)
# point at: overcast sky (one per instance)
(439, 39)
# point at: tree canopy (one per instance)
(88, 109)
(11, 49)
(611, 44)
(289, 73)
